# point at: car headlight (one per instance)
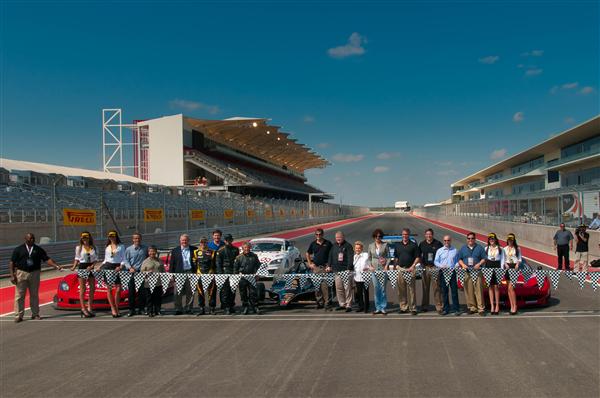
(275, 262)
(64, 286)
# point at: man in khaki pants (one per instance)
(407, 255)
(25, 266)
(471, 257)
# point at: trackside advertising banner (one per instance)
(79, 217)
(151, 215)
(197, 215)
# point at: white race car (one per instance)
(280, 255)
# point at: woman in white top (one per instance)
(361, 263)
(512, 259)
(114, 259)
(85, 258)
(494, 260)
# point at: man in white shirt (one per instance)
(446, 257)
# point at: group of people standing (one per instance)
(324, 256)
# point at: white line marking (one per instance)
(26, 309)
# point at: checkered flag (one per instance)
(513, 275)
(125, 278)
(302, 280)
(330, 279)
(165, 280)
(554, 278)
(434, 272)
(111, 277)
(345, 277)
(380, 276)
(419, 271)
(447, 272)
(98, 274)
(138, 279)
(569, 274)
(460, 275)
(527, 273)
(220, 280)
(152, 279)
(251, 279)
(392, 276)
(594, 278)
(407, 276)
(366, 276)
(180, 281)
(194, 279)
(316, 280)
(83, 273)
(474, 273)
(289, 278)
(206, 280)
(540, 276)
(234, 281)
(487, 274)
(581, 276)
(263, 270)
(500, 272)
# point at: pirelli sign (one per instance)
(153, 215)
(79, 217)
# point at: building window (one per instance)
(527, 187)
(587, 146)
(527, 166)
(553, 176)
(582, 177)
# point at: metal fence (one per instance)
(572, 206)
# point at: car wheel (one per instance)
(260, 291)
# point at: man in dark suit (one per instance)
(182, 261)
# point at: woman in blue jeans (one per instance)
(378, 260)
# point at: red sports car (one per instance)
(67, 294)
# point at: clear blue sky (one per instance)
(403, 97)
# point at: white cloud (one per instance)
(309, 119)
(534, 72)
(348, 157)
(568, 86)
(189, 106)
(586, 90)
(490, 59)
(381, 169)
(446, 172)
(323, 145)
(387, 155)
(498, 154)
(554, 89)
(354, 47)
(533, 53)
(518, 117)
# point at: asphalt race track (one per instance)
(302, 352)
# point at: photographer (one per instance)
(581, 249)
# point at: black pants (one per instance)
(361, 296)
(153, 299)
(562, 251)
(211, 293)
(132, 296)
(227, 296)
(247, 293)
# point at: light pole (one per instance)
(310, 195)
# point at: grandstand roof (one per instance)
(257, 138)
(13, 165)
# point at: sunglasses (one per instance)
(447, 240)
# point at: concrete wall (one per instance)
(530, 235)
(165, 152)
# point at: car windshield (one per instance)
(266, 247)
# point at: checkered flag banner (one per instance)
(330, 279)
(289, 278)
(487, 274)
(500, 272)
(125, 278)
(303, 280)
(447, 272)
(569, 274)
(366, 276)
(251, 279)
(581, 276)
(474, 274)
(392, 276)
(434, 272)
(316, 280)
(180, 281)
(206, 280)
(407, 276)
(419, 271)
(220, 280)
(111, 277)
(460, 274)
(345, 277)
(540, 276)
(380, 277)
(554, 278)
(194, 279)
(527, 273)
(152, 279)
(138, 279)
(165, 280)
(234, 281)
(98, 274)
(83, 273)
(263, 270)
(594, 278)
(513, 275)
